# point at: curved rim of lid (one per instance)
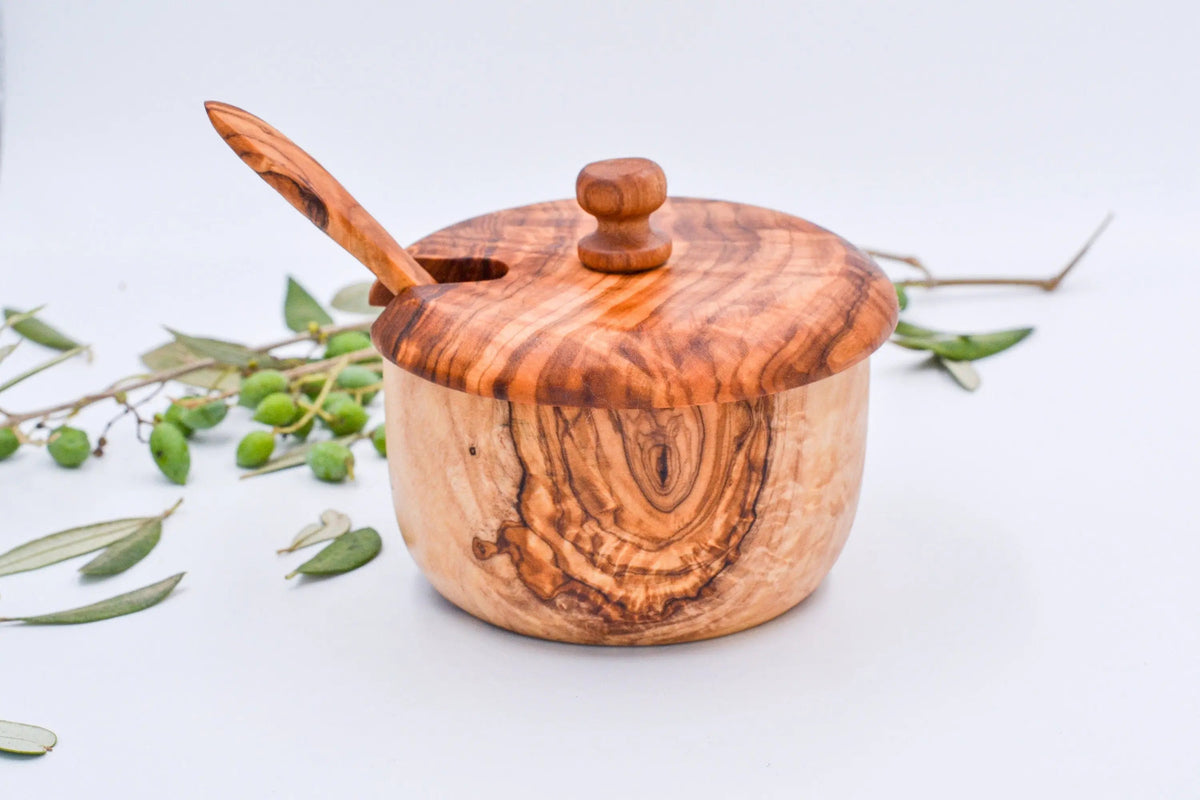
(516, 316)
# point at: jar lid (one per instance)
(590, 302)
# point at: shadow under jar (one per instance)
(593, 446)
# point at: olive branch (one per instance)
(287, 393)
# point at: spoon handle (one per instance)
(317, 195)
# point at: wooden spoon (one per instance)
(317, 195)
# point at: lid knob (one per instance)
(621, 193)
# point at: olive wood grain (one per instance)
(621, 193)
(317, 195)
(626, 526)
(752, 302)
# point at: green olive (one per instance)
(357, 377)
(205, 416)
(346, 342)
(255, 449)
(333, 398)
(278, 410)
(379, 439)
(169, 448)
(69, 447)
(331, 461)
(262, 383)
(8, 442)
(346, 417)
(174, 415)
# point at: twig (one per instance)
(912, 261)
(89, 399)
(127, 409)
(1046, 284)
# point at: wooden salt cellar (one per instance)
(620, 419)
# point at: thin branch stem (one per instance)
(127, 409)
(45, 365)
(354, 357)
(361, 392)
(912, 261)
(88, 399)
(315, 409)
(310, 336)
(16, 319)
(1046, 284)
(171, 510)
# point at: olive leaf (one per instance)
(908, 329)
(224, 352)
(45, 365)
(297, 456)
(175, 354)
(72, 542)
(26, 740)
(118, 606)
(9, 320)
(33, 329)
(6, 351)
(347, 552)
(66, 544)
(962, 371)
(300, 309)
(353, 299)
(124, 553)
(332, 525)
(962, 347)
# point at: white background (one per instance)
(1017, 612)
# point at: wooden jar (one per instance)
(606, 431)
(616, 434)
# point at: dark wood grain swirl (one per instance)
(627, 526)
(752, 302)
(628, 514)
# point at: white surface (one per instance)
(1016, 612)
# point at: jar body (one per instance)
(626, 526)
